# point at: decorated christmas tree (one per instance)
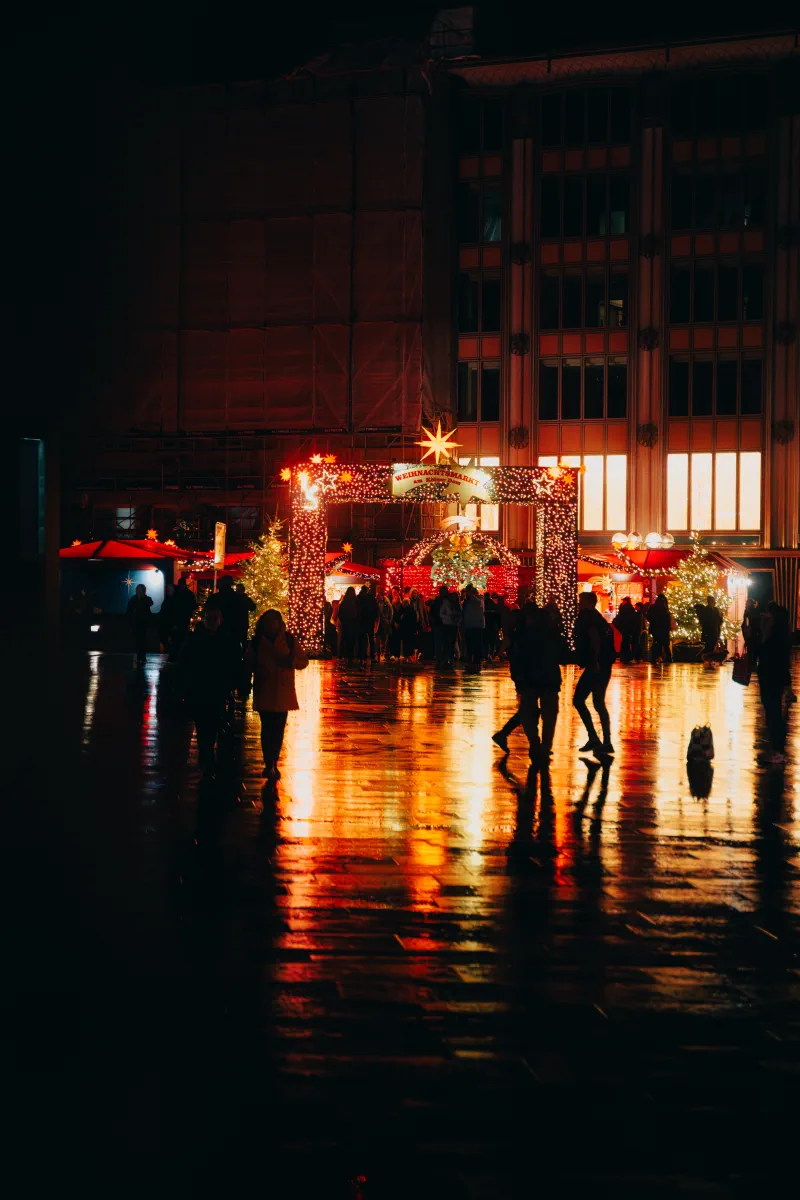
(459, 562)
(697, 578)
(266, 575)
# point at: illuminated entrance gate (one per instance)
(324, 481)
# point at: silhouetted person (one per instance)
(659, 619)
(527, 614)
(185, 602)
(224, 599)
(273, 657)
(473, 623)
(367, 620)
(774, 676)
(492, 633)
(710, 619)
(210, 668)
(245, 606)
(643, 609)
(751, 630)
(628, 624)
(594, 642)
(139, 607)
(449, 621)
(436, 623)
(539, 650)
(409, 628)
(347, 616)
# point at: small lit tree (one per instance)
(458, 562)
(266, 575)
(697, 577)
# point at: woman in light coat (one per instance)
(273, 656)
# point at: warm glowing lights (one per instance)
(347, 547)
(438, 444)
(555, 472)
(152, 535)
(316, 458)
(329, 459)
(77, 542)
(346, 477)
(169, 542)
(286, 474)
(619, 541)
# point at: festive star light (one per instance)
(152, 535)
(286, 474)
(77, 542)
(346, 477)
(169, 542)
(316, 458)
(438, 443)
(348, 549)
(128, 582)
(329, 458)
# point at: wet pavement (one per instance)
(418, 970)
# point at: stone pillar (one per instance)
(518, 529)
(647, 461)
(781, 461)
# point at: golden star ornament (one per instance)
(438, 443)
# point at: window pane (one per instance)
(702, 388)
(467, 391)
(706, 105)
(701, 491)
(597, 115)
(677, 491)
(548, 302)
(572, 301)
(548, 391)
(616, 492)
(468, 212)
(731, 200)
(593, 492)
(489, 517)
(728, 294)
(490, 312)
(705, 201)
(751, 387)
(490, 393)
(755, 101)
(619, 204)
(618, 300)
(595, 299)
(755, 196)
(681, 201)
(573, 205)
(750, 490)
(492, 214)
(678, 388)
(571, 390)
(467, 304)
(547, 460)
(704, 293)
(726, 387)
(683, 110)
(596, 205)
(725, 492)
(574, 118)
(469, 125)
(620, 115)
(593, 380)
(679, 294)
(617, 388)
(551, 206)
(493, 124)
(551, 119)
(752, 292)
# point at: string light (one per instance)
(315, 485)
(152, 535)
(286, 474)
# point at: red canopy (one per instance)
(113, 548)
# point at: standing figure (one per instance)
(627, 623)
(185, 604)
(473, 623)
(210, 667)
(397, 612)
(751, 630)
(774, 676)
(710, 619)
(660, 620)
(492, 636)
(409, 628)
(539, 650)
(436, 622)
(449, 620)
(528, 613)
(167, 620)
(139, 607)
(642, 608)
(385, 618)
(245, 605)
(347, 617)
(273, 656)
(367, 620)
(594, 642)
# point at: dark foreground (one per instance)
(409, 974)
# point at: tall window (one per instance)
(727, 385)
(725, 196)
(480, 124)
(586, 115)
(726, 291)
(478, 303)
(574, 299)
(725, 103)
(480, 212)
(602, 489)
(478, 391)
(488, 515)
(594, 205)
(719, 492)
(574, 389)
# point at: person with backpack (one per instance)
(594, 642)
(272, 658)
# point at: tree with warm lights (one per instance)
(266, 575)
(459, 562)
(697, 577)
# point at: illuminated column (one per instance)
(558, 539)
(308, 540)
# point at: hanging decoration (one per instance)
(438, 443)
(457, 562)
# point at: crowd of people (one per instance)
(218, 659)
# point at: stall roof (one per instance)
(648, 560)
(132, 549)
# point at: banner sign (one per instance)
(219, 545)
(443, 482)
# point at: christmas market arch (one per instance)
(322, 481)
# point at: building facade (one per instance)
(590, 259)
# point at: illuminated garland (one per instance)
(320, 482)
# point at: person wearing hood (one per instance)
(272, 658)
